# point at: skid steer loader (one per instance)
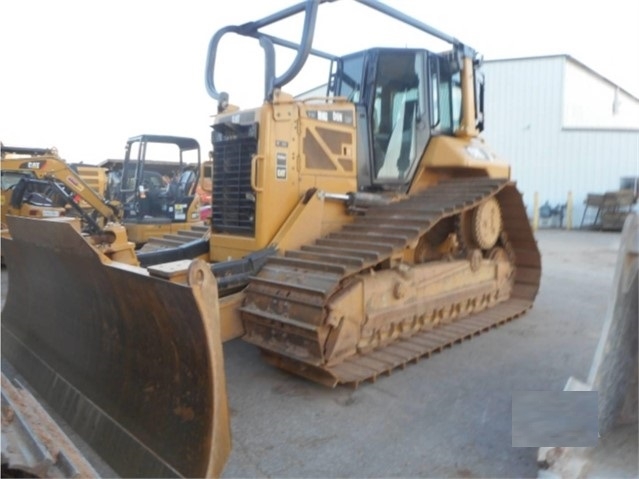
(351, 234)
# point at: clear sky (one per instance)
(83, 76)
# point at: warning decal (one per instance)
(280, 167)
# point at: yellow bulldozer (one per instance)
(350, 234)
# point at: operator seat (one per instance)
(185, 183)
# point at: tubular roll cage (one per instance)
(305, 47)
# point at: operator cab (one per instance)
(162, 189)
(408, 96)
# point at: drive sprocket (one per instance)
(481, 226)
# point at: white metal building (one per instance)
(563, 127)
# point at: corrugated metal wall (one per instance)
(524, 106)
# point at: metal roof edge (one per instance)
(568, 58)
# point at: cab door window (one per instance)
(396, 115)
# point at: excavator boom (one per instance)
(46, 165)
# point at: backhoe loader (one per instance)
(351, 234)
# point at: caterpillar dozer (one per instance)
(351, 234)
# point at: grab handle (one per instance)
(254, 173)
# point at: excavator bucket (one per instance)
(132, 363)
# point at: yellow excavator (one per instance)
(350, 234)
(36, 182)
(153, 204)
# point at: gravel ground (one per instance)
(447, 416)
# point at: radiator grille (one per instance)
(233, 198)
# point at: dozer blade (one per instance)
(132, 363)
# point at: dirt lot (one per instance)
(448, 416)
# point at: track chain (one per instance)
(287, 302)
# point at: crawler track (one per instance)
(288, 302)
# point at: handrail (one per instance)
(266, 42)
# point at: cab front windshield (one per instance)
(409, 95)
